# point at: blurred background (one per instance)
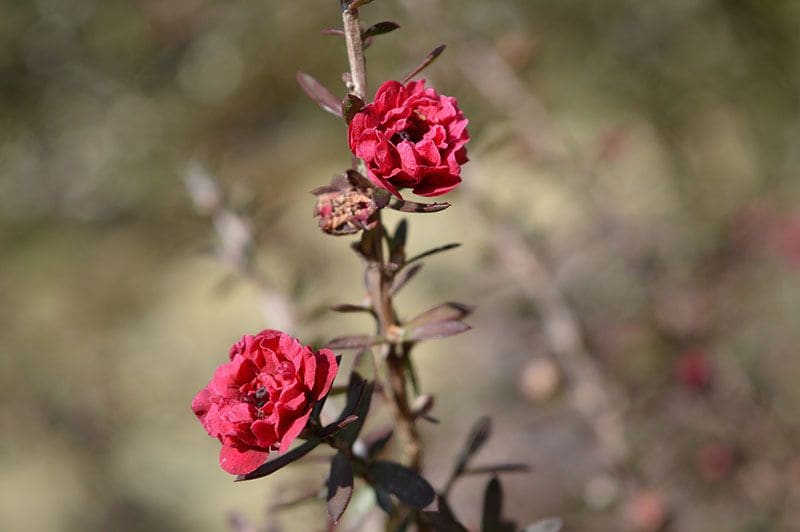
(631, 234)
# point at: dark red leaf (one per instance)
(432, 331)
(403, 483)
(430, 58)
(433, 251)
(402, 278)
(340, 486)
(351, 342)
(282, 460)
(499, 468)
(379, 29)
(333, 31)
(415, 206)
(321, 95)
(449, 311)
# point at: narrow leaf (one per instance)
(403, 483)
(499, 468)
(282, 460)
(333, 31)
(337, 426)
(449, 311)
(552, 524)
(317, 92)
(384, 500)
(376, 440)
(340, 486)
(430, 58)
(478, 436)
(444, 520)
(379, 29)
(397, 244)
(351, 342)
(402, 278)
(359, 408)
(431, 331)
(415, 206)
(492, 506)
(433, 251)
(355, 4)
(348, 307)
(351, 105)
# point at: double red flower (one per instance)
(261, 400)
(411, 137)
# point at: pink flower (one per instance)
(411, 137)
(261, 400)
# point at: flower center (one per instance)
(414, 132)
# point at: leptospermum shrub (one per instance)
(271, 390)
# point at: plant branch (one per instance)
(355, 52)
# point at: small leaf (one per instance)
(449, 311)
(478, 436)
(495, 469)
(376, 440)
(348, 307)
(355, 4)
(282, 460)
(430, 58)
(433, 251)
(379, 29)
(358, 407)
(433, 331)
(340, 486)
(317, 92)
(415, 206)
(350, 106)
(444, 520)
(402, 278)
(552, 524)
(337, 426)
(333, 31)
(397, 244)
(351, 342)
(492, 506)
(384, 500)
(403, 483)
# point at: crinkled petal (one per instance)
(240, 461)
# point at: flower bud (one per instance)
(347, 205)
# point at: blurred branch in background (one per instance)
(235, 244)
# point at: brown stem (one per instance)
(378, 284)
(355, 52)
(378, 280)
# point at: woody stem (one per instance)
(378, 281)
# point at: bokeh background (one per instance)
(631, 234)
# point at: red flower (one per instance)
(261, 400)
(410, 137)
